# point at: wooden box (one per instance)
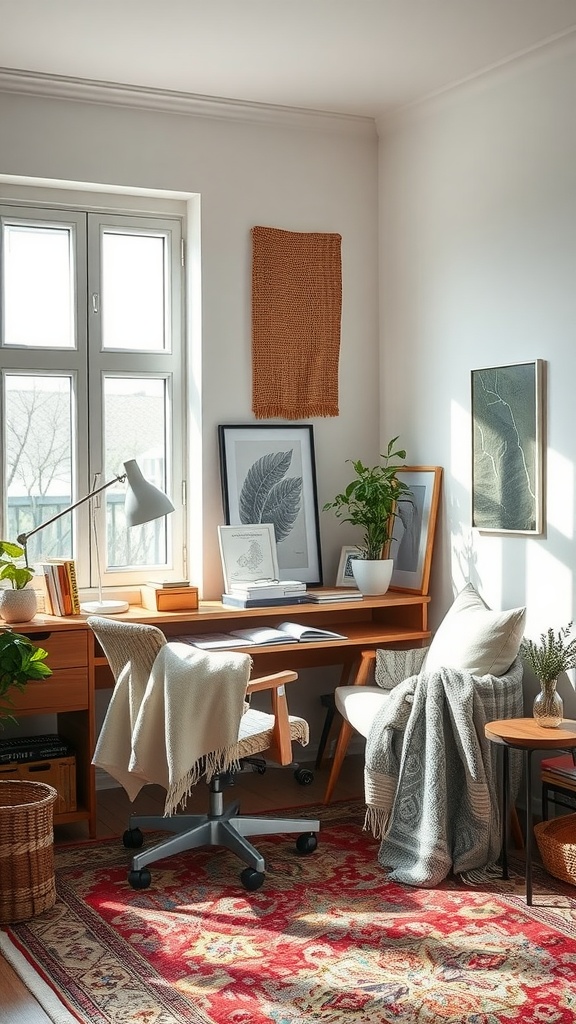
(59, 772)
(173, 599)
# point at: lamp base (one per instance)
(104, 607)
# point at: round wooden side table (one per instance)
(525, 734)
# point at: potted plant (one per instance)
(370, 501)
(20, 661)
(553, 654)
(18, 601)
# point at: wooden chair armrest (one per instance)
(280, 749)
(365, 668)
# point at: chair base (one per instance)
(222, 826)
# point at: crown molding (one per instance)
(33, 83)
(554, 48)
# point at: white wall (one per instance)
(478, 265)
(300, 174)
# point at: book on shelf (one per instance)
(286, 633)
(237, 601)
(61, 587)
(267, 588)
(335, 595)
(212, 641)
(562, 766)
(168, 584)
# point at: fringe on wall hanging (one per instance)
(296, 313)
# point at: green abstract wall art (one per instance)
(507, 448)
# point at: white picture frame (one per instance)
(248, 553)
(345, 576)
(268, 472)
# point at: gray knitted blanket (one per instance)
(430, 776)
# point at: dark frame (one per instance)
(507, 448)
(255, 463)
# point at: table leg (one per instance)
(505, 814)
(528, 769)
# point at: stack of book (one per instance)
(60, 586)
(563, 768)
(265, 593)
(33, 748)
(338, 594)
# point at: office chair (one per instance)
(132, 649)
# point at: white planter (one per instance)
(18, 605)
(372, 577)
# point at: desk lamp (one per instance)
(143, 503)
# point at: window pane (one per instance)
(134, 428)
(38, 288)
(133, 286)
(38, 422)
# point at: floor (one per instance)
(276, 789)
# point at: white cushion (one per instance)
(360, 704)
(475, 639)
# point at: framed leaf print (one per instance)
(268, 475)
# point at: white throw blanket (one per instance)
(430, 777)
(186, 716)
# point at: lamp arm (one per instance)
(22, 539)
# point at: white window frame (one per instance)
(86, 363)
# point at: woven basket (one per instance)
(557, 844)
(27, 885)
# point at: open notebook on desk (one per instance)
(260, 636)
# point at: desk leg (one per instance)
(528, 769)
(505, 814)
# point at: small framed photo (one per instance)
(414, 526)
(248, 553)
(345, 576)
(269, 475)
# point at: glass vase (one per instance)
(548, 708)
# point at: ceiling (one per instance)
(363, 57)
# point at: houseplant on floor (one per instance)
(370, 501)
(555, 653)
(18, 601)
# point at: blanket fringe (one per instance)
(479, 875)
(376, 821)
(208, 766)
(270, 410)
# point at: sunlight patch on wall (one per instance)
(549, 584)
(460, 446)
(560, 474)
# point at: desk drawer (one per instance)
(67, 648)
(67, 689)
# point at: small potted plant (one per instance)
(370, 501)
(18, 601)
(553, 654)
(20, 661)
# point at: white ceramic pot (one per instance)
(372, 577)
(18, 605)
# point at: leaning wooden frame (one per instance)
(412, 541)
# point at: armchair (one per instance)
(178, 715)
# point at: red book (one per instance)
(563, 765)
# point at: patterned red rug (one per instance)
(326, 939)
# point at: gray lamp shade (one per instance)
(143, 501)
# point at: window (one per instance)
(91, 359)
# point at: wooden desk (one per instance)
(525, 734)
(79, 666)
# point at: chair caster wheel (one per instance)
(307, 842)
(252, 879)
(139, 879)
(304, 776)
(132, 838)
